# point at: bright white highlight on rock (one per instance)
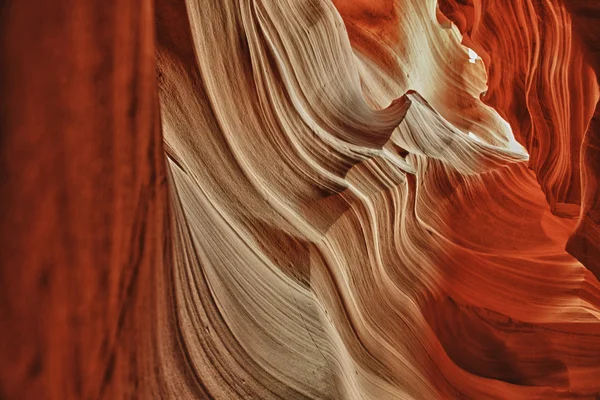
(473, 136)
(473, 56)
(513, 145)
(516, 147)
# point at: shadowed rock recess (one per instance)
(359, 199)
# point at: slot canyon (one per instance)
(300, 199)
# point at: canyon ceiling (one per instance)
(300, 199)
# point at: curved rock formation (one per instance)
(361, 220)
(362, 199)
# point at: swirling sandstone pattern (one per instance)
(356, 221)
(368, 199)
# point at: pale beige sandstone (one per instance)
(328, 208)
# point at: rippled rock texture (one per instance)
(360, 199)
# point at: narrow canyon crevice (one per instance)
(300, 199)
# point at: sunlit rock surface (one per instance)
(373, 198)
(300, 199)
